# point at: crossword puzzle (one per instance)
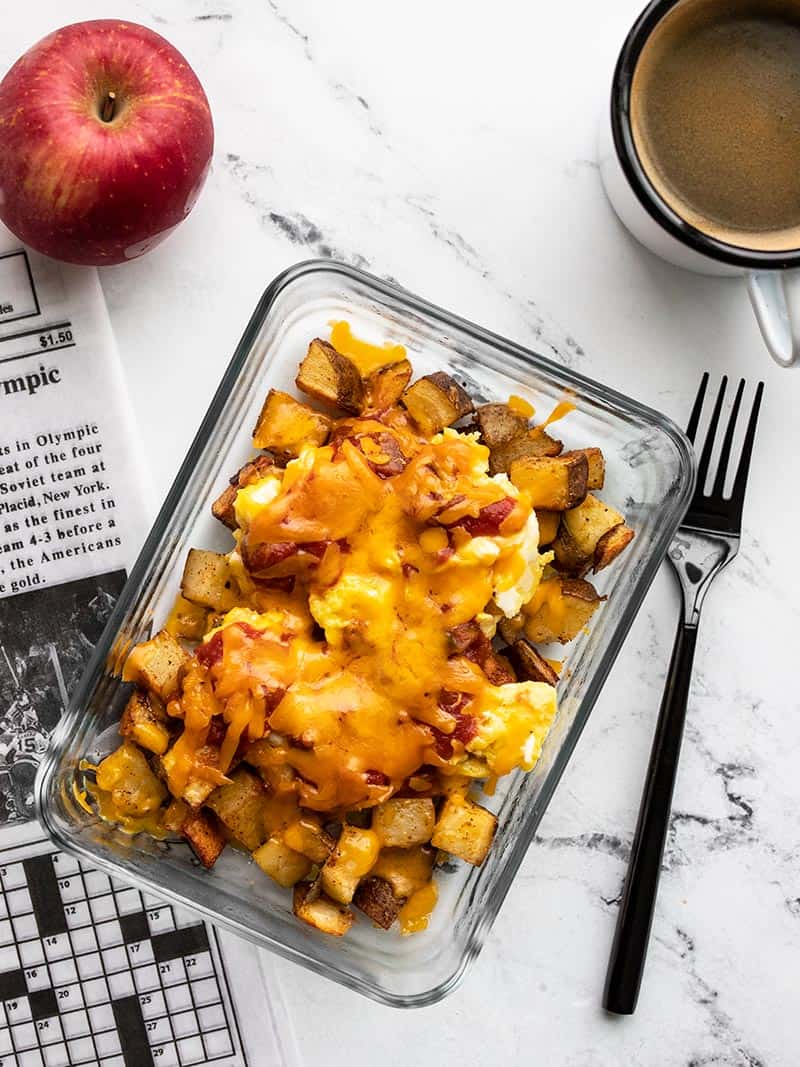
(93, 972)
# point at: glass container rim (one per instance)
(126, 601)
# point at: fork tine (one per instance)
(694, 418)
(708, 446)
(725, 454)
(740, 482)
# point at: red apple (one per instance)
(105, 142)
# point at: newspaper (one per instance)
(91, 970)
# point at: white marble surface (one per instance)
(450, 146)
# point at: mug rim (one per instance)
(649, 197)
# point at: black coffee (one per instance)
(715, 111)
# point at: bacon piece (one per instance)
(216, 731)
(395, 462)
(377, 778)
(262, 558)
(468, 640)
(489, 519)
(442, 743)
(384, 445)
(314, 548)
(465, 728)
(283, 585)
(272, 697)
(210, 652)
(453, 703)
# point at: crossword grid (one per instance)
(95, 972)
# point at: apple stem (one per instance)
(109, 106)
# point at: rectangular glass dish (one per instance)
(650, 477)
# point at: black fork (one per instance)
(706, 542)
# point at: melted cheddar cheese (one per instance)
(367, 357)
(360, 565)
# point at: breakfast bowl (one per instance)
(649, 476)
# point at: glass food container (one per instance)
(650, 476)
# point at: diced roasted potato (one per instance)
(126, 775)
(611, 544)
(354, 856)
(559, 610)
(223, 507)
(554, 483)
(361, 818)
(281, 807)
(511, 629)
(204, 835)
(472, 768)
(498, 424)
(156, 665)
(320, 911)
(281, 863)
(426, 782)
(405, 869)
(145, 722)
(548, 525)
(240, 808)
(175, 815)
(384, 386)
(587, 523)
(187, 620)
(197, 789)
(596, 463)
(436, 401)
(285, 426)
(530, 665)
(207, 580)
(532, 444)
(464, 829)
(403, 822)
(509, 437)
(280, 811)
(331, 377)
(591, 535)
(568, 559)
(376, 899)
(307, 836)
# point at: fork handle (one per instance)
(629, 950)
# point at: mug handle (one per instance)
(775, 297)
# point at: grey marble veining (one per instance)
(451, 147)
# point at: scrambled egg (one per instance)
(251, 499)
(514, 721)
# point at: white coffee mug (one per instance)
(773, 284)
